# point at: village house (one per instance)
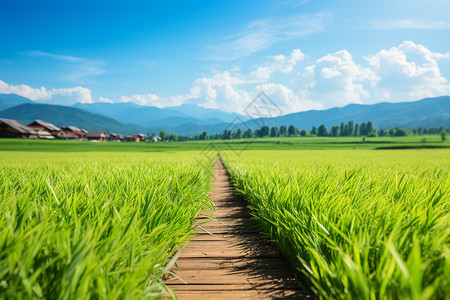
(142, 137)
(115, 137)
(44, 125)
(44, 129)
(45, 135)
(72, 132)
(13, 129)
(96, 136)
(136, 138)
(156, 138)
(132, 138)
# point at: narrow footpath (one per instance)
(228, 259)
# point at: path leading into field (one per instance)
(230, 260)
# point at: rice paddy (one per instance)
(104, 226)
(356, 224)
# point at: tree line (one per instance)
(349, 129)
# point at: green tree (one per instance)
(173, 137)
(322, 130)
(357, 130)
(369, 127)
(350, 128)
(363, 129)
(265, 131)
(303, 132)
(162, 135)
(400, 132)
(259, 133)
(239, 133)
(274, 132)
(335, 131)
(204, 135)
(249, 134)
(283, 130)
(342, 131)
(314, 130)
(291, 130)
(392, 132)
(226, 134)
(443, 135)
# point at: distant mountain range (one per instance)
(428, 112)
(66, 116)
(168, 118)
(10, 100)
(190, 119)
(186, 119)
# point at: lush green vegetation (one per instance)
(103, 220)
(357, 224)
(344, 130)
(94, 225)
(280, 143)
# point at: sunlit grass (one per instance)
(357, 224)
(78, 226)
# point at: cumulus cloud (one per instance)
(336, 80)
(148, 99)
(409, 71)
(105, 100)
(70, 96)
(25, 91)
(405, 72)
(223, 90)
(286, 99)
(280, 63)
(261, 34)
(65, 96)
(233, 90)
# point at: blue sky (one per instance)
(221, 54)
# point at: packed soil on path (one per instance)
(228, 259)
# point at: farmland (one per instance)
(104, 220)
(357, 224)
(102, 225)
(283, 143)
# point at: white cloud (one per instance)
(280, 63)
(25, 91)
(65, 96)
(148, 99)
(85, 70)
(54, 56)
(336, 80)
(223, 90)
(403, 73)
(409, 71)
(70, 96)
(409, 24)
(78, 68)
(406, 72)
(261, 34)
(105, 100)
(287, 99)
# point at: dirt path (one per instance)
(232, 261)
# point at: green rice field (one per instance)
(97, 225)
(356, 224)
(103, 221)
